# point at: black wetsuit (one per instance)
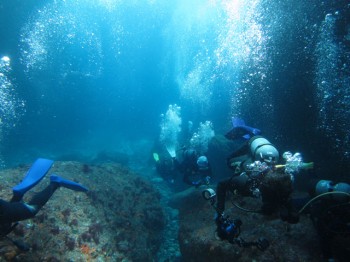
(331, 218)
(272, 198)
(192, 174)
(165, 167)
(13, 211)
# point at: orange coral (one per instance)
(85, 249)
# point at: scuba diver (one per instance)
(196, 169)
(16, 210)
(165, 167)
(163, 161)
(329, 210)
(256, 174)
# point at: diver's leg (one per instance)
(14, 211)
(17, 211)
(40, 199)
(221, 190)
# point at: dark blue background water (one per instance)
(95, 76)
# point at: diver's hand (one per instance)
(226, 228)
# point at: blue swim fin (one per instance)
(236, 121)
(33, 176)
(241, 130)
(68, 183)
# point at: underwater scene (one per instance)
(182, 130)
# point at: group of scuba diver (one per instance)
(17, 210)
(256, 172)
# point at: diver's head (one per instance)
(263, 150)
(202, 163)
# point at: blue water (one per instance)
(92, 76)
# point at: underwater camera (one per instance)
(228, 229)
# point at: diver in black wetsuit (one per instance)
(257, 174)
(329, 210)
(196, 169)
(16, 210)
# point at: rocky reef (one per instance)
(131, 217)
(198, 241)
(119, 219)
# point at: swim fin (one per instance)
(241, 130)
(67, 183)
(33, 176)
(156, 157)
(236, 121)
(239, 123)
